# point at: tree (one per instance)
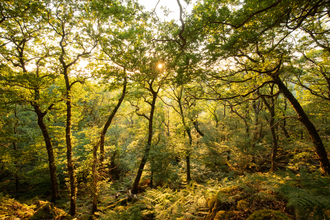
(119, 47)
(152, 82)
(247, 35)
(271, 108)
(62, 17)
(22, 35)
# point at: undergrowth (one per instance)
(280, 195)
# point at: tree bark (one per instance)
(108, 122)
(148, 146)
(271, 108)
(283, 126)
(50, 153)
(188, 130)
(73, 184)
(114, 171)
(16, 157)
(244, 118)
(257, 106)
(303, 118)
(101, 144)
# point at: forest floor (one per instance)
(280, 195)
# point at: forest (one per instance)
(110, 111)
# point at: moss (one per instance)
(242, 205)
(268, 214)
(225, 215)
(47, 210)
(220, 201)
(119, 209)
(211, 201)
(231, 190)
(225, 195)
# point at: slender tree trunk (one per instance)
(188, 168)
(302, 116)
(244, 118)
(108, 122)
(50, 153)
(16, 156)
(283, 126)
(188, 130)
(188, 154)
(195, 123)
(224, 136)
(114, 171)
(148, 146)
(101, 144)
(152, 175)
(257, 106)
(73, 184)
(16, 172)
(95, 178)
(168, 122)
(70, 165)
(271, 109)
(275, 144)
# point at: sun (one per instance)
(160, 66)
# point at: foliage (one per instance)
(308, 194)
(10, 208)
(214, 101)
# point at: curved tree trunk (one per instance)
(101, 144)
(303, 118)
(148, 146)
(108, 123)
(50, 153)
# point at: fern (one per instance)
(183, 204)
(309, 195)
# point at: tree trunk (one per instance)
(148, 146)
(283, 126)
(188, 168)
(257, 106)
(16, 172)
(50, 153)
(244, 118)
(101, 143)
(303, 118)
(16, 156)
(188, 130)
(73, 184)
(114, 171)
(108, 123)
(195, 123)
(271, 109)
(95, 178)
